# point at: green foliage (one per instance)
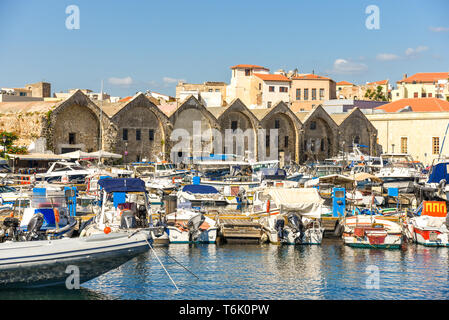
(8, 144)
(376, 95)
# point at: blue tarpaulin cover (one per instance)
(198, 188)
(439, 172)
(122, 185)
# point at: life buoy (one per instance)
(56, 213)
(173, 180)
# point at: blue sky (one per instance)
(140, 45)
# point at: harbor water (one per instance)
(268, 272)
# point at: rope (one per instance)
(168, 274)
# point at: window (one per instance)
(298, 94)
(313, 94)
(269, 104)
(138, 134)
(404, 144)
(313, 125)
(283, 89)
(271, 88)
(234, 125)
(260, 86)
(125, 135)
(322, 145)
(423, 95)
(211, 90)
(72, 138)
(217, 90)
(429, 95)
(247, 72)
(286, 141)
(267, 140)
(321, 94)
(151, 134)
(306, 94)
(415, 95)
(435, 145)
(277, 124)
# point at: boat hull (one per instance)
(176, 235)
(430, 237)
(46, 263)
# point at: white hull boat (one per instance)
(46, 262)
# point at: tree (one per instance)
(376, 95)
(7, 140)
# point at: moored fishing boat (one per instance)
(371, 231)
(430, 228)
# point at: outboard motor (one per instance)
(34, 226)
(193, 225)
(128, 221)
(142, 215)
(9, 228)
(279, 227)
(296, 224)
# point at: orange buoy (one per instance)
(11, 214)
(107, 230)
(268, 206)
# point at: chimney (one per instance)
(404, 77)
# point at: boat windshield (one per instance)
(7, 189)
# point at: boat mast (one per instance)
(442, 145)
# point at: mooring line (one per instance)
(168, 274)
(180, 264)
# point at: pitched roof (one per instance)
(345, 83)
(416, 105)
(260, 113)
(310, 77)
(424, 77)
(339, 117)
(217, 111)
(381, 82)
(272, 77)
(248, 66)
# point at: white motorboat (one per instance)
(199, 194)
(431, 227)
(297, 220)
(48, 262)
(64, 171)
(188, 226)
(400, 172)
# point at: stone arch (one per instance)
(194, 120)
(289, 126)
(78, 124)
(320, 140)
(240, 120)
(145, 127)
(356, 125)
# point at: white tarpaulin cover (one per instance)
(76, 154)
(104, 154)
(305, 201)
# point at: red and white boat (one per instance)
(372, 231)
(430, 228)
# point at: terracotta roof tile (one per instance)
(417, 105)
(345, 83)
(248, 66)
(310, 77)
(425, 77)
(272, 77)
(381, 82)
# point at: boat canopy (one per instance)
(304, 201)
(122, 185)
(199, 188)
(439, 172)
(274, 173)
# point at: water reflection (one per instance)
(232, 271)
